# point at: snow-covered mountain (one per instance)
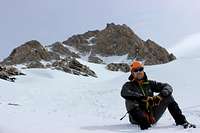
(46, 101)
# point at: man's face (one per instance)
(138, 73)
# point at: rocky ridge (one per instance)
(114, 40)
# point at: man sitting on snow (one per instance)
(142, 106)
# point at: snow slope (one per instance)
(50, 101)
(188, 47)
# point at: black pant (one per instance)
(137, 116)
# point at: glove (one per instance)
(148, 102)
(156, 100)
(151, 101)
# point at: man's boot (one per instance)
(179, 118)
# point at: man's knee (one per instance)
(168, 100)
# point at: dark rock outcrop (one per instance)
(7, 73)
(118, 67)
(94, 59)
(71, 65)
(35, 64)
(172, 57)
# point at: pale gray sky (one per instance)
(164, 21)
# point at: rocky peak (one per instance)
(118, 40)
(30, 51)
(121, 29)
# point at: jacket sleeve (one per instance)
(163, 89)
(128, 94)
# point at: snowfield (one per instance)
(51, 101)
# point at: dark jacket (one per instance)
(132, 92)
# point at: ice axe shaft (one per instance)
(124, 116)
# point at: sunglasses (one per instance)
(140, 69)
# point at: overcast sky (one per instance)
(164, 21)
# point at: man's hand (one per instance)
(148, 101)
(151, 101)
(156, 100)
